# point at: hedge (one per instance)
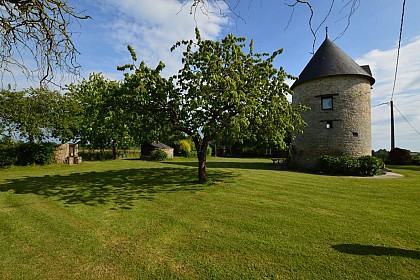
(7, 155)
(26, 154)
(35, 153)
(350, 165)
(94, 156)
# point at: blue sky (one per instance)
(152, 26)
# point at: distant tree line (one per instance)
(397, 156)
(37, 115)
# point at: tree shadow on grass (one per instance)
(227, 164)
(364, 250)
(119, 188)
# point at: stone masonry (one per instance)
(67, 153)
(344, 130)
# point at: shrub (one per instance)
(7, 154)
(44, 153)
(159, 155)
(209, 151)
(370, 165)
(35, 153)
(399, 156)
(185, 147)
(24, 153)
(192, 154)
(328, 164)
(349, 165)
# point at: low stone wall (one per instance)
(61, 153)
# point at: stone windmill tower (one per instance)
(337, 90)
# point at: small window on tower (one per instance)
(327, 103)
(329, 124)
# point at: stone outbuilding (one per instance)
(67, 153)
(148, 150)
(338, 92)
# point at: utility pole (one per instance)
(392, 126)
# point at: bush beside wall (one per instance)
(38, 153)
(351, 166)
(159, 155)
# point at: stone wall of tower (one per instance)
(350, 133)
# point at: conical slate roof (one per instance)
(330, 60)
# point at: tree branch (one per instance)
(38, 30)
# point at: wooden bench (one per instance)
(278, 162)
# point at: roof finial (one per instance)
(326, 32)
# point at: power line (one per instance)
(385, 103)
(407, 120)
(399, 47)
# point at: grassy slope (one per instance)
(132, 219)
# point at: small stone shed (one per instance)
(67, 153)
(148, 150)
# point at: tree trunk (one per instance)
(114, 150)
(202, 157)
(202, 173)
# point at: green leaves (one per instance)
(132, 52)
(105, 112)
(35, 114)
(221, 93)
(231, 95)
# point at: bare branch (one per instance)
(325, 19)
(38, 30)
(233, 7)
(354, 5)
(204, 6)
(309, 6)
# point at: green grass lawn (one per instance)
(130, 219)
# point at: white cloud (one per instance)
(406, 96)
(153, 26)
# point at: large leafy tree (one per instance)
(146, 94)
(221, 91)
(37, 30)
(103, 112)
